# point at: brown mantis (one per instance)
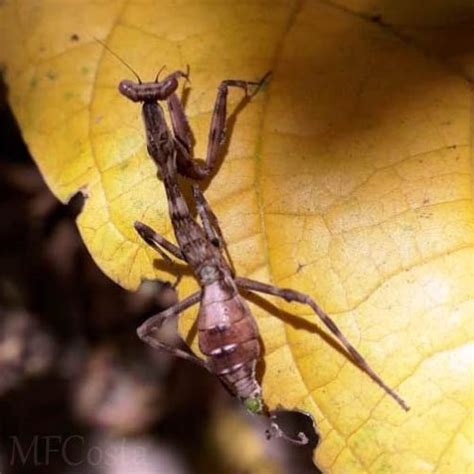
(228, 334)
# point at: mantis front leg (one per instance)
(187, 165)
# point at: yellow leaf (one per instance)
(439, 28)
(348, 178)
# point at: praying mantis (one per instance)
(227, 332)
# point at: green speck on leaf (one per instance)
(33, 82)
(253, 404)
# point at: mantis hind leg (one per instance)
(298, 297)
(145, 331)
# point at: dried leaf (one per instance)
(348, 178)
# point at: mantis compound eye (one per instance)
(128, 89)
(168, 86)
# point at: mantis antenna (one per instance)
(119, 58)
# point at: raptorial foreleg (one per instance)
(187, 165)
